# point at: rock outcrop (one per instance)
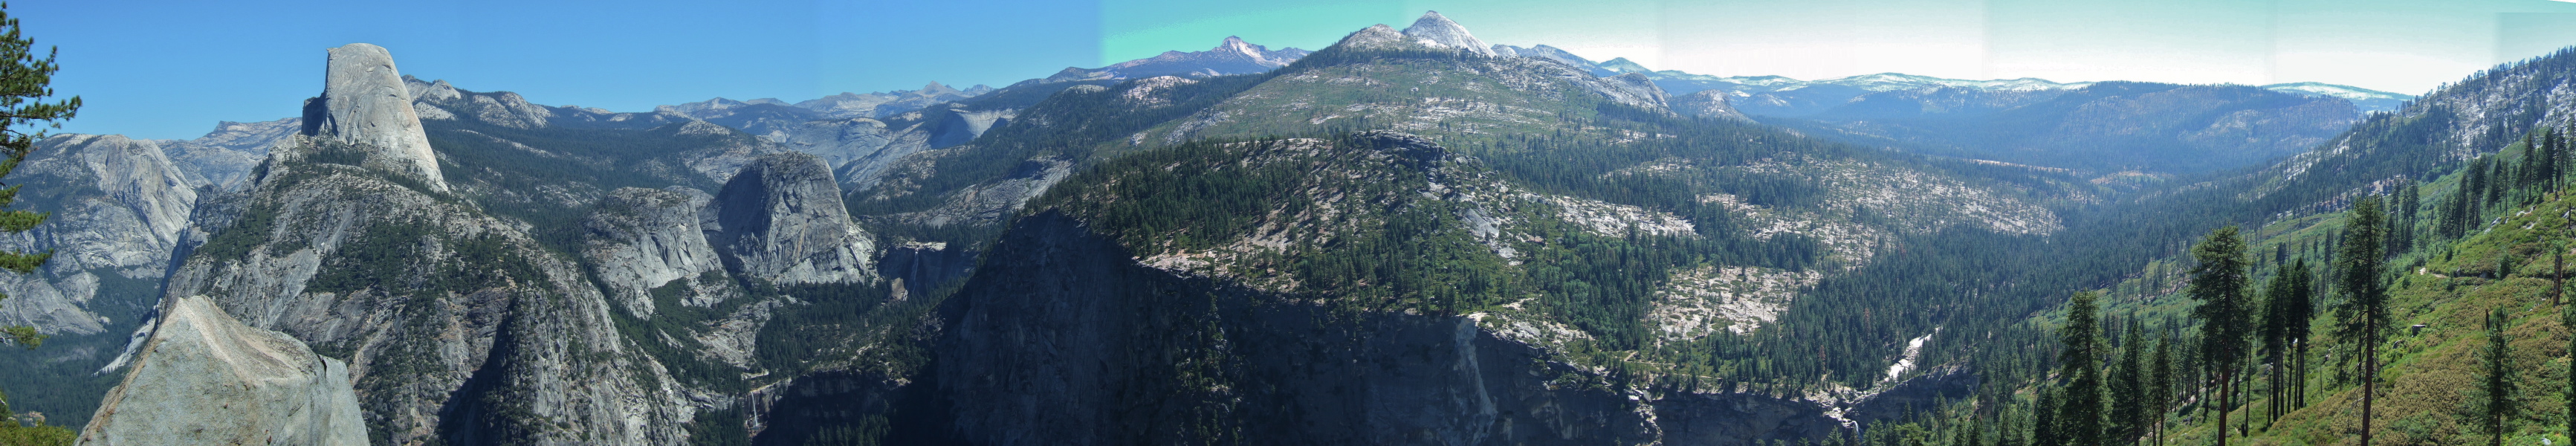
(642, 239)
(365, 103)
(1437, 31)
(781, 219)
(888, 103)
(1074, 343)
(1232, 56)
(204, 378)
(225, 156)
(118, 208)
(457, 326)
(1707, 104)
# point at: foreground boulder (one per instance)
(204, 378)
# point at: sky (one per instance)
(173, 69)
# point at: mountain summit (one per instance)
(1436, 30)
(365, 103)
(1231, 56)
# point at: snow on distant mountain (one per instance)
(871, 105)
(2367, 99)
(1623, 65)
(1437, 31)
(1552, 53)
(1233, 56)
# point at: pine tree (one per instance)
(2043, 423)
(2499, 179)
(2129, 389)
(25, 80)
(2275, 335)
(2402, 238)
(1974, 435)
(2496, 406)
(2364, 312)
(2303, 309)
(2557, 274)
(2079, 362)
(2219, 283)
(2161, 395)
(25, 83)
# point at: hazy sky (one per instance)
(171, 69)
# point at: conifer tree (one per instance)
(2401, 237)
(2219, 282)
(25, 83)
(2496, 406)
(2557, 274)
(2161, 396)
(2303, 309)
(2043, 422)
(1974, 435)
(2129, 389)
(2079, 362)
(2364, 312)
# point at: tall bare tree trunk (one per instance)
(2369, 380)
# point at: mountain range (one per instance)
(1410, 236)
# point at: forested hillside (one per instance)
(2460, 305)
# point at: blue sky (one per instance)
(171, 69)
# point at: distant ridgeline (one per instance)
(2477, 228)
(1411, 236)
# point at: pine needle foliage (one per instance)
(25, 113)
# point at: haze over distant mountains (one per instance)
(1889, 109)
(1481, 242)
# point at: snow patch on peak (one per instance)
(1623, 65)
(1437, 31)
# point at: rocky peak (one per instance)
(1235, 44)
(1708, 104)
(365, 102)
(644, 238)
(781, 219)
(936, 89)
(1623, 65)
(1544, 52)
(119, 208)
(430, 90)
(1436, 30)
(1374, 36)
(225, 156)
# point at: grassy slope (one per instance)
(2449, 286)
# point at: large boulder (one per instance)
(204, 378)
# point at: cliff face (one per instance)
(1042, 348)
(204, 378)
(119, 206)
(364, 103)
(457, 326)
(642, 239)
(1074, 342)
(452, 321)
(781, 219)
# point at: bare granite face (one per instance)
(365, 103)
(645, 238)
(204, 378)
(1437, 31)
(781, 219)
(119, 205)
